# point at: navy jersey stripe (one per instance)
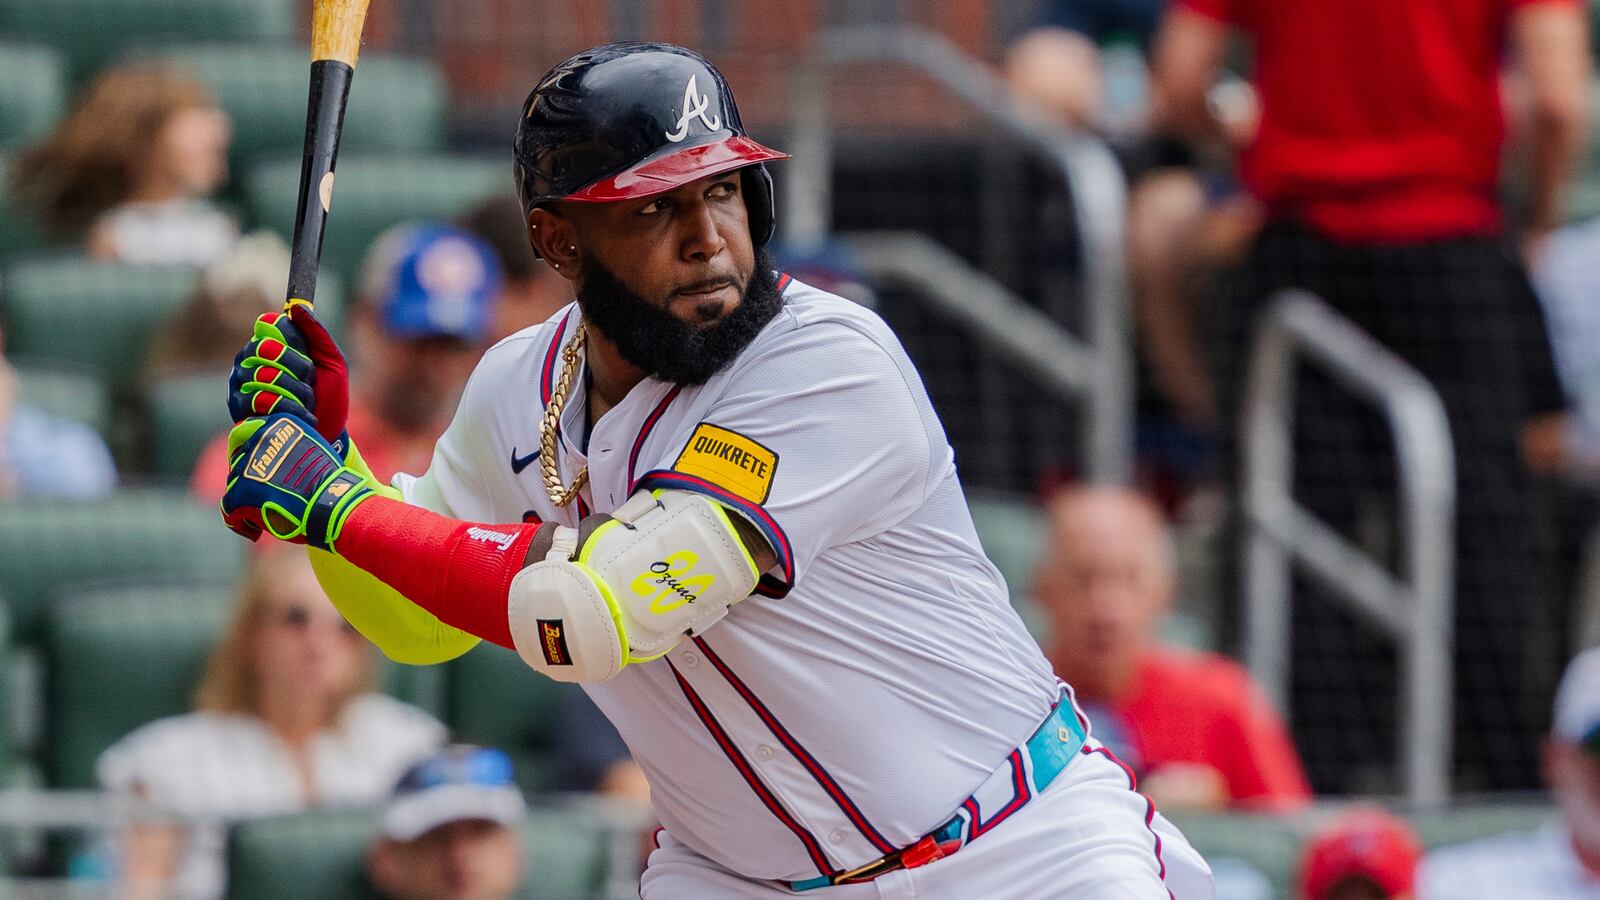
(813, 847)
(818, 773)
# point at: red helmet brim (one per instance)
(664, 173)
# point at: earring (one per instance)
(557, 265)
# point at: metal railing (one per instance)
(1098, 370)
(1414, 607)
(33, 812)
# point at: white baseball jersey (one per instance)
(879, 673)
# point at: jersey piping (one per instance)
(824, 780)
(809, 840)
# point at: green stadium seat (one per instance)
(1584, 202)
(33, 93)
(93, 314)
(1269, 844)
(100, 316)
(397, 104)
(119, 657)
(1471, 823)
(65, 392)
(94, 32)
(493, 698)
(372, 193)
(1011, 530)
(159, 536)
(185, 415)
(320, 855)
(19, 233)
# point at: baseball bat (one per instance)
(335, 43)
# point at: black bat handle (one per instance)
(330, 88)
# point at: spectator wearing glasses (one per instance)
(451, 829)
(285, 720)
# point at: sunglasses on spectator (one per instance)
(300, 618)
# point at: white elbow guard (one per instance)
(668, 564)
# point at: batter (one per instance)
(720, 500)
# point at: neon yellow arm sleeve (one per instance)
(404, 631)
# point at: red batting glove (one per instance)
(333, 377)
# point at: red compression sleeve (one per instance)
(459, 571)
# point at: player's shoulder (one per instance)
(814, 322)
(531, 343)
(517, 359)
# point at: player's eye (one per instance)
(722, 190)
(653, 207)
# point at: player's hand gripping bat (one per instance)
(277, 341)
(335, 43)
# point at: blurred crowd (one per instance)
(1408, 161)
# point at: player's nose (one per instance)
(702, 238)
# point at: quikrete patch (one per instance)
(729, 460)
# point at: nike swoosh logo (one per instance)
(518, 463)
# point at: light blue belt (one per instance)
(1027, 771)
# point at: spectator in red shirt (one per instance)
(422, 319)
(1192, 725)
(1377, 163)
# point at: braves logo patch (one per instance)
(729, 460)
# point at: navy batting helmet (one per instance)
(629, 120)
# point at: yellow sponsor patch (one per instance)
(729, 460)
(271, 451)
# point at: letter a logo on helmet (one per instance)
(694, 107)
(618, 122)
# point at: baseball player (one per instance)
(720, 500)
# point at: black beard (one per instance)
(665, 346)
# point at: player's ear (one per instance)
(553, 239)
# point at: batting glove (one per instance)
(287, 480)
(292, 365)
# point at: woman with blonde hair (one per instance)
(130, 168)
(285, 720)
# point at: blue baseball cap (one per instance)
(427, 280)
(459, 783)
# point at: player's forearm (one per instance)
(460, 572)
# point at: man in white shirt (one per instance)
(1561, 860)
(721, 501)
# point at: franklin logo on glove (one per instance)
(269, 453)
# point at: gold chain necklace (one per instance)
(551, 422)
